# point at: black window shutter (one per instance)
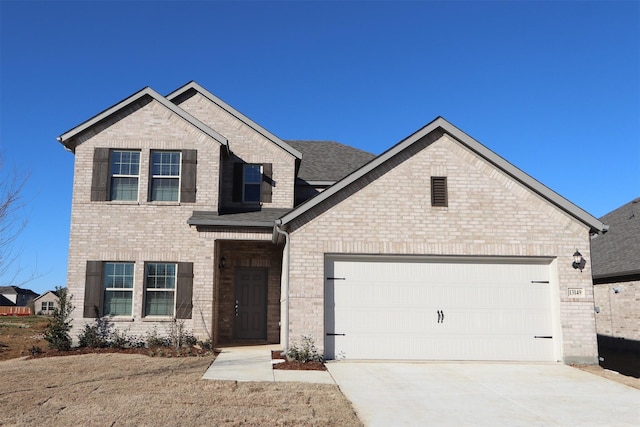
(188, 178)
(93, 289)
(100, 177)
(267, 182)
(184, 291)
(237, 182)
(439, 191)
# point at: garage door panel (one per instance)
(442, 347)
(438, 310)
(386, 321)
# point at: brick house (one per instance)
(616, 280)
(436, 249)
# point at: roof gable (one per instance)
(435, 129)
(45, 294)
(616, 252)
(175, 97)
(68, 139)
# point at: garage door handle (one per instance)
(544, 336)
(440, 316)
(331, 334)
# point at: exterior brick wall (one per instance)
(618, 314)
(389, 212)
(144, 231)
(251, 147)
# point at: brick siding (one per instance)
(144, 231)
(618, 314)
(389, 212)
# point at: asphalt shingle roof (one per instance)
(617, 252)
(328, 160)
(258, 218)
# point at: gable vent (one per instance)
(439, 191)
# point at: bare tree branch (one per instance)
(12, 224)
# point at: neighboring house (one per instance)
(17, 296)
(436, 249)
(15, 300)
(46, 303)
(616, 279)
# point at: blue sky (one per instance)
(553, 87)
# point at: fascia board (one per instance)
(235, 224)
(621, 274)
(473, 145)
(237, 114)
(147, 91)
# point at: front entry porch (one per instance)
(247, 292)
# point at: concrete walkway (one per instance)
(253, 363)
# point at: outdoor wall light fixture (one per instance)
(222, 262)
(578, 261)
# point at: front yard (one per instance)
(136, 390)
(119, 389)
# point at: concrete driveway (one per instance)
(484, 394)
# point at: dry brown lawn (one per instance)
(136, 390)
(611, 375)
(18, 334)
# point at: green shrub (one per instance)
(57, 331)
(153, 339)
(305, 351)
(98, 334)
(102, 334)
(177, 336)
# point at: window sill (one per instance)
(157, 319)
(121, 319)
(123, 202)
(160, 203)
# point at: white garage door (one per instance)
(438, 309)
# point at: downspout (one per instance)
(284, 291)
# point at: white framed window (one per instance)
(251, 182)
(165, 176)
(118, 288)
(125, 170)
(44, 306)
(50, 306)
(160, 289)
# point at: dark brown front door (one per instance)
(250, 303)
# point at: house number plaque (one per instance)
(576, 293)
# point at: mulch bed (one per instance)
(294, 365)
(153, 352)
